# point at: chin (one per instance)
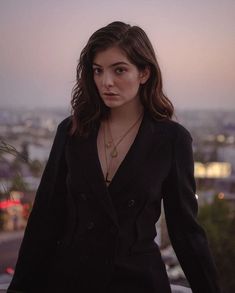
(112, 104)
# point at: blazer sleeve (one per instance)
(180, 204)
(44, 223)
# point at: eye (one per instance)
(97, 70)
(120, 70)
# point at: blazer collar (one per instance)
(148, 132)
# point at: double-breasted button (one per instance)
(131, 203)
(90, 226)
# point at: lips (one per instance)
(109, 94)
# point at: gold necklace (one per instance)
(108, 166)
(114, 152)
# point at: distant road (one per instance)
(8, 252)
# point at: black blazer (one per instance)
(81, 233)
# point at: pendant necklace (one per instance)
(114, 151)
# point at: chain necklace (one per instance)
(108, 166)
(114, 151)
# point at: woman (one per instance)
(92, 227)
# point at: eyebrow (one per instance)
(112, 65)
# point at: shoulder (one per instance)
(63, 128)
(173, 129)
(178, 130)
(177, 136)
(65, 123)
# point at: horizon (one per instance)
(62, 108)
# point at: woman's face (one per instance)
(116, 78)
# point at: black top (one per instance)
(87, 235)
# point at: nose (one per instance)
(107, 80)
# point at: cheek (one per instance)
(133, 80)
(128, 80)
(132, 84)
(97, 83)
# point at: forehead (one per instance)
(110, 56)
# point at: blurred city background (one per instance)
(195, 45)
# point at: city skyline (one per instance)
(41, 43)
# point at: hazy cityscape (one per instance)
(26, 138)
(31, 132)
(194, 45)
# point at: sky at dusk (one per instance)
(40, 43)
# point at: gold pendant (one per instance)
(108, 144)
(114, 153)
(106, 178)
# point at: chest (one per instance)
(111, 154)
(141, 167)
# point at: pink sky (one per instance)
(41, 42)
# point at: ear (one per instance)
(144, 75)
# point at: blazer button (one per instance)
(131, 203)
(90, 226)
(58, 242)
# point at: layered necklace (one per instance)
(110, 144)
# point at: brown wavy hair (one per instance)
(87, 106)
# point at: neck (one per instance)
(126, 115)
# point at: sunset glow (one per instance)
(41, 42)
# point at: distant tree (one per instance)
(36, 167)
(18, 183)
(24, 151)
(219, 223)
(16, 165)
(7, 148)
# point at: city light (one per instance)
(221, 138)
(221, 195)
(9, 203)
(212, 170)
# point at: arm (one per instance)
(187, 236)
(44, 222)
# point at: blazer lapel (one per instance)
(150, 136)
(88, 158)
(149, 133)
